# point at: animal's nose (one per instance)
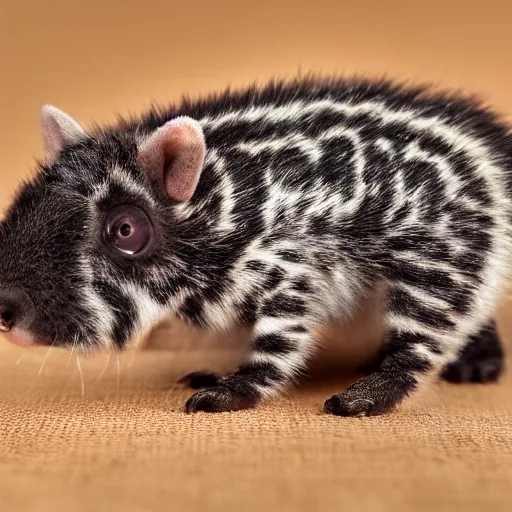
(16, 310)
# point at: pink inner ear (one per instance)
(175, 154)
(184, 153)
(59, 130)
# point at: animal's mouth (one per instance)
(20, 337)
(25, 338)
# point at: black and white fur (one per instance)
(312, 195)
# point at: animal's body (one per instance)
(281, 208)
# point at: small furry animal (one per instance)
(280, 208)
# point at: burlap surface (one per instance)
(125, 444)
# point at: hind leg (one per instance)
(481, 360)
(423, 335)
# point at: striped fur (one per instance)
(313, 194)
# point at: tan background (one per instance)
(95, 58)
(126, 444)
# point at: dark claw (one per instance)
(370, 396)
(218, 399)
(343, 405)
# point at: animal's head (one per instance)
(86, 248)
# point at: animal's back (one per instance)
(375, 146)
(363, 180)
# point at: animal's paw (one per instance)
(480, 361)
(486, 370)
(342, 405)
(218, 399)
(370, 396)
(198, 380)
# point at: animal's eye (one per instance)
(129, 230)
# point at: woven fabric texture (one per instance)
(125, 444)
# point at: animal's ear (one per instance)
(59, 131)
(174, 156)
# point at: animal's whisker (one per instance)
(80, 372)
(71, 354)
(118, 371)
(132, 358)
(104, 368)
(45, 359)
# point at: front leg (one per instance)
(282, 341)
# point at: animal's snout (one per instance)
(17, 313)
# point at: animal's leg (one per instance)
(481, 360)
(419, 325)
(282, 341)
